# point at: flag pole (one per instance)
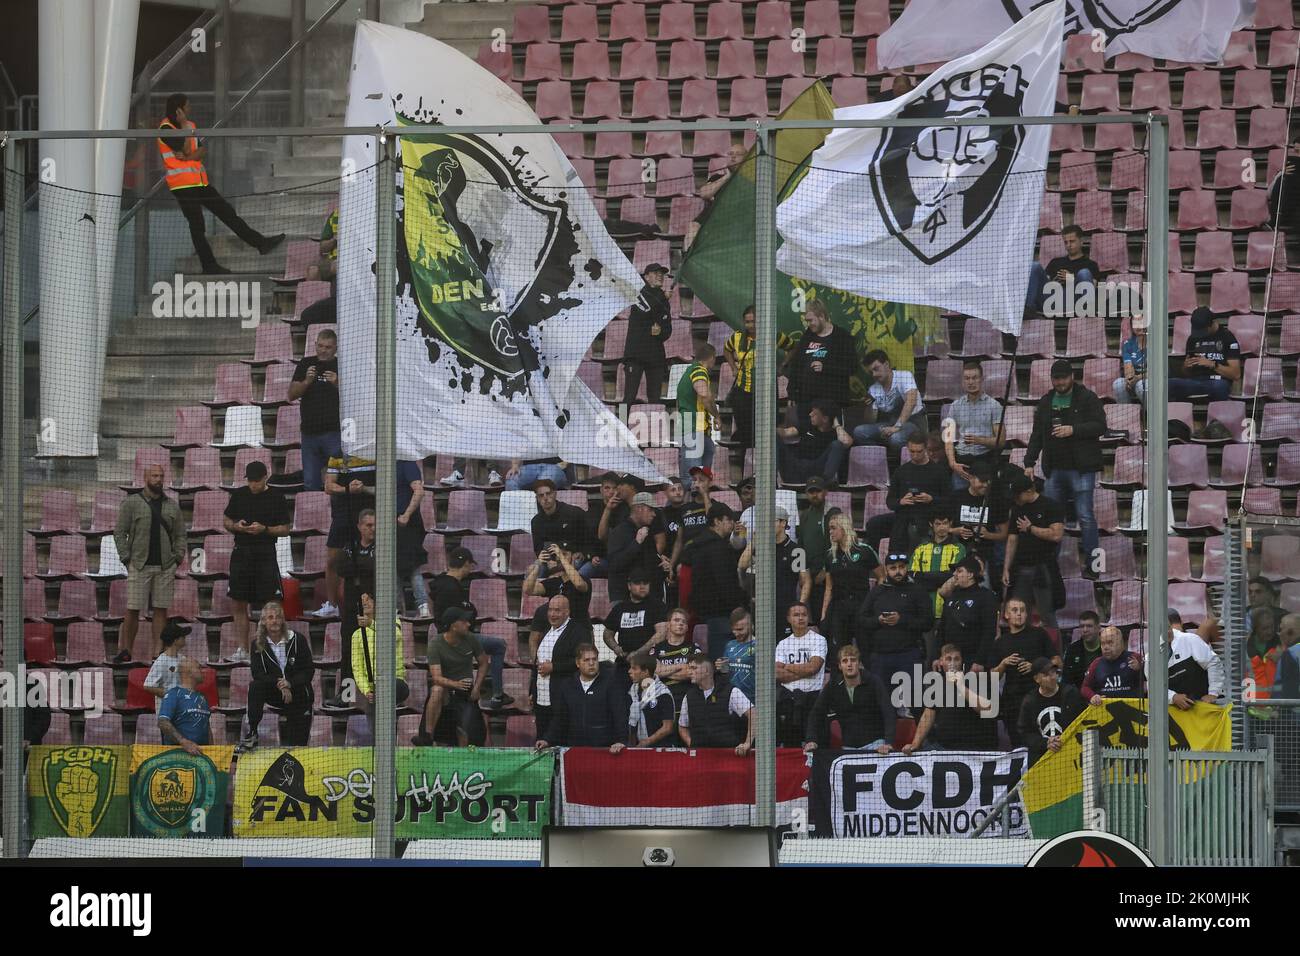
(1159, 788)
(764, 543)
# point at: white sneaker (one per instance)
(240, 656)
(455, 478)
(325, 610)
(494, 478)
(422, 611)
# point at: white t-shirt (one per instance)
(164, 672)
(800, 650)
(544, 651)
(890, 401)
(737, 704)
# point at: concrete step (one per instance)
(320, 166)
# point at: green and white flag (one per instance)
(505, 273)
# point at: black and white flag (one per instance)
(1191, 31)
(935, 215)
(505, 273)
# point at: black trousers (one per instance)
(654, 381)
(792, 710)
(297, 713)
(193, 201)
(742, 414)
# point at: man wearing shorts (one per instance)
(256, 515)
(150, 539)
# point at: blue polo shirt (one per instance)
(188, 712)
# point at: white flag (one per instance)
(943, 216)
(1191, 31)
(505, 273)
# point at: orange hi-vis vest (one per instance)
(181, 173)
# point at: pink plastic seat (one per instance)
(104, 731)
(821, 18)
(1078, 171)
(870, 18)
(675, 177)
(202, 470)
(1202, 90)
(1230, 292)
(1110, 250)
(980, 339)
(1240, 464)
(1080, 597)
(748, 96)
(214, 559)
(1150, 92)
(1196, 210)
(626, 22)
(288, 428)
(234, 386)
(488, 595)
(67, 558)
(1273, 15)
(1188, 466)
(1100, 93)
(1267, 128)
(209, 508)
(1085, 336)
(500, 63)
(849, 91)
(700, 99)
(735, 59)
(590, 62)
(1114, 137)
(531, 25)
(676, 22)
(1093, 212)
(1262, 501)
(77, 602)
(1080, 57)
(1251, 89)
(1249, 330)
(275, 385)
(103, 520)
(1206, 509)
(1279, 423)
(1213, 249)
(34, 603)
(466, 512)
(60, 514)
(1185, 170)
(772, 20)
(868, 467)
(1249, 210)
(650, 100)
(194, 423)
(834, 57)
(726, 21)
(942, 380)
(1282, 48)
(554, 100)
(783, 60)
(1037, 338)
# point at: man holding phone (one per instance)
(822, 445)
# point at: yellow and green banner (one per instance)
(1053, 789)
(443, 793)
(80, 791)
(719, 266)
(177, 794)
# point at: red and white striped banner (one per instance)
(672, 787)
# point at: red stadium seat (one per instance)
(77, 602)
(577, 22)
(1206, 509)
(275, 385)
(85, 644)
(1067, 137)
(194, 424)
(626, 22)
(849, 90)
(748, 96)
(1085, 336)
(1202, 91)
(1189, 466)
(34, 603)
(649, 100)
(67, 558)
(554, 100)
(821, 18)
(942, 380)
(500, 63)
(234, 386)
(1080, 57)
(202, 470)
(1100, 94)
(1240, 464)
(531, 25)
(1289, 343)
(683, 211)
(1113, 137)
(675, 177)
(772, 20)
(1185, 170)
(60, 514)
(488, 595)
(867, 467)
(639, 61)
(1182, 292)
(792, 87)
(590, 62)
(601, 100)
(1050, 218)
(1213, 249)
(726, 21)
(1230, 292)
(700, 99)
(1214, 564)
(1037, 338)
(870, 18)
(676, 22)
(1196, 210)
(1249, 209)
(1080, 597)
(466, 512)
(104, 731)
(1280, 423)
(1128, 171)
(834, 57)
(1249, 330)
(214, 560)
(980, 339)
(1078, 171)
(1150, 92)
(1252, 88)
(1263, 501)
(686, 60)
(1110, 250)
(1241, 53)
(103, 518)
(1267, 128)
(1282, 48)
(736, 59)
(783, 60)
(1273, 15)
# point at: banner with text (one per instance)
(176, 794)
(858, 793)
(78, 791)
(444, 793)
(672, 788)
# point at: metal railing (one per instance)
(1222, 807)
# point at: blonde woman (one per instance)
(850, 568)
(282, 669)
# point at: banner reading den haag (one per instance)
(443, 793)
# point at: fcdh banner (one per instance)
(857, 793)
(442, 793)
(672, 788)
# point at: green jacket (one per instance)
(132, 532)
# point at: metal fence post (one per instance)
(1159, 788)
(297, 62)
(11, 466)
(765, 623)
(1234, 624)
(385, 713)
(221, 78)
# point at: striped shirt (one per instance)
(689, 404)
(740, 349)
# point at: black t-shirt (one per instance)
(666, 655)
(1032, 550)
(962, 728)
(268, 508)
(672, 518)
(1030, 644)
(975, 511)
(1073, 266)
(851, 573)
(715, 580)
(813, 442)
(444, 592)
(155, 530)
(694, 521)
(320, 403)
(635, 621)
(1042, 718)
(1219, 347)
(565, 525)
(579, 601)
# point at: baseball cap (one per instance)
(173, 631)
(1062, 368)
(640, 577)
(816, 482)
(894, 557)
(1201, 319)
(781, 514)
(655, 267)
(1042, 665)
(980, 470)
(746, 483)
(631, 480)
(701, 470)
(255, 471)
(970, 564)
(643, 498)
(1021, 482)
(459, 557)
(454, 614)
